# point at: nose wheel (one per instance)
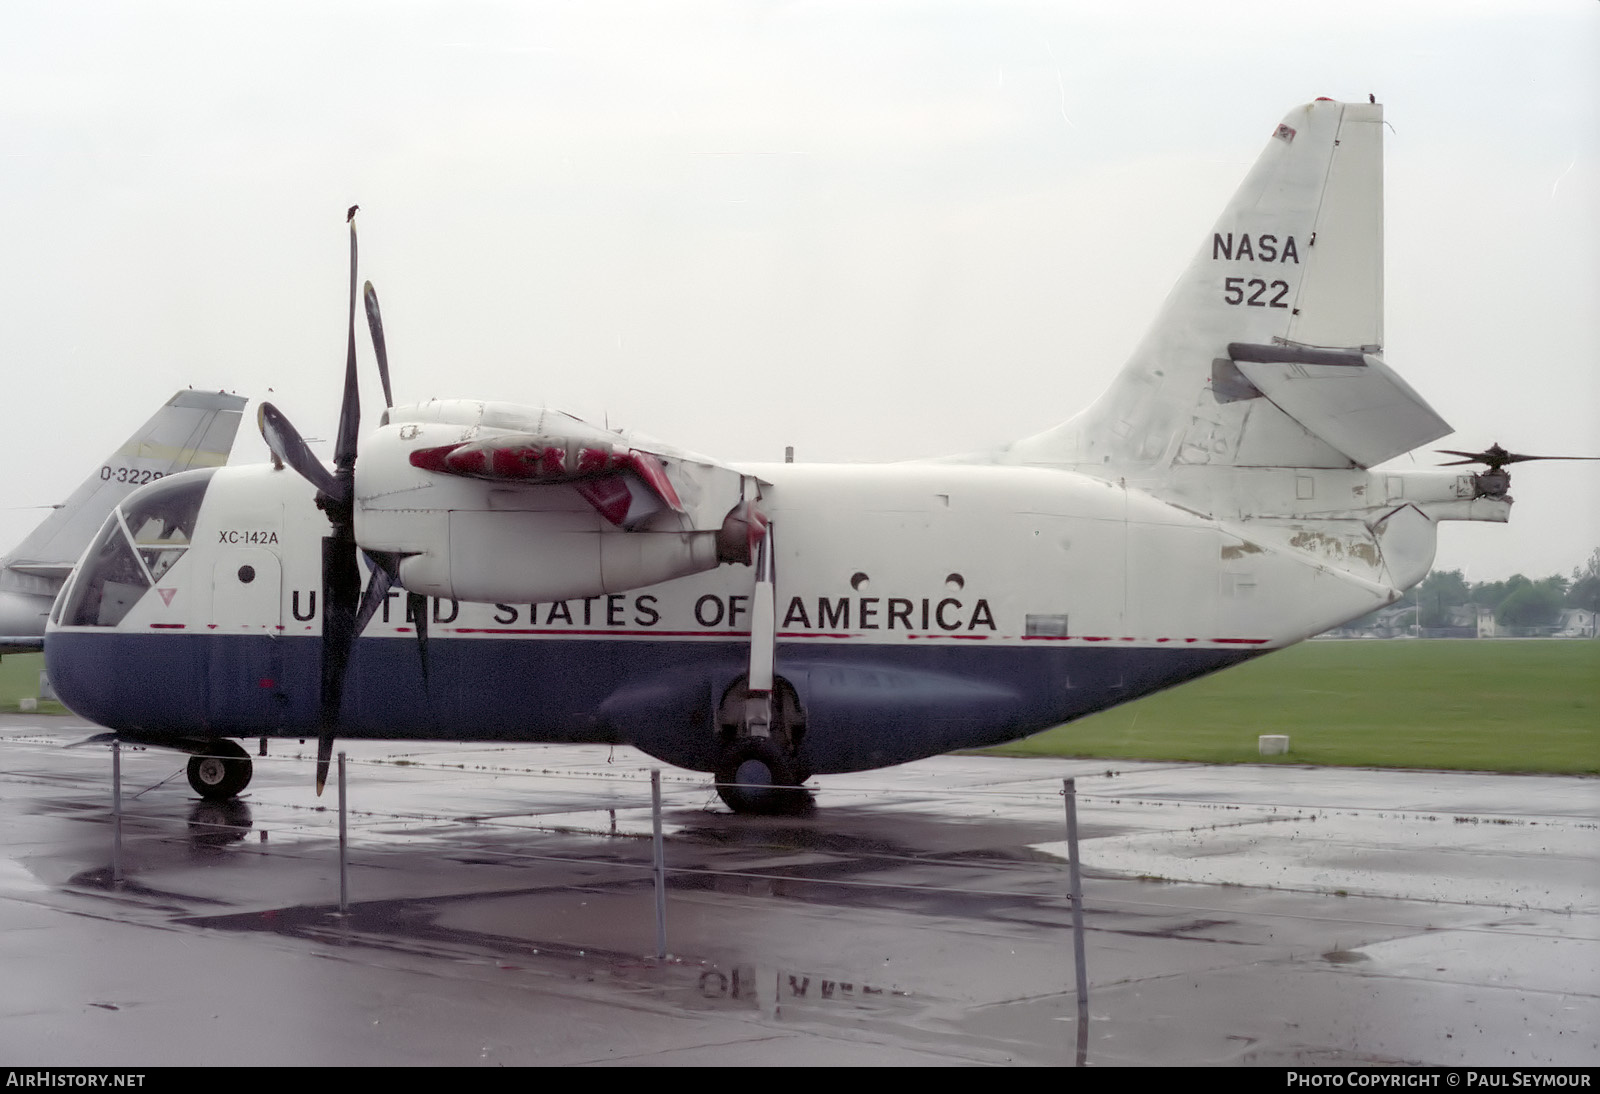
(221, 772)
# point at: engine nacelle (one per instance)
(459, 529)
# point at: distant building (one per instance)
(1395, 621)
(1465, 621)
(1576, 623)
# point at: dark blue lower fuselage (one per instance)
(865, 706)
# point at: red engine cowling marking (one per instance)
(610, 496)
(518, 461)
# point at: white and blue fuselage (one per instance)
(1222, 499)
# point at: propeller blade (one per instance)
(324, 757)
(1495, 457)
(417, 611)
(378, 586)
(346, 607)
(380, 349)
(289, 447)
(344, 451)
(341, 583)
(385, 576)
(341, 578)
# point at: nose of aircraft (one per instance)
(107, 662)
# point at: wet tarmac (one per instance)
(502, 913)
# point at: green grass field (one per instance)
(1528, 706)
(1472, 705)
(19, 677)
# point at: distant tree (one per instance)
(1441, 591)
(1585, 589)
(1585, 593)
(1491, 594)
(1531, 605)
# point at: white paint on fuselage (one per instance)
(1186, 506)
(915, 554)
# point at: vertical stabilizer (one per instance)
(1339, 301)
(1290, 283)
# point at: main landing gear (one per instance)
(759, 721)
(221, 772)
(762, 773)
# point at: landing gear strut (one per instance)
(760, 721)
(221, 772)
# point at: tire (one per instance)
(221, 772)
(754, 776)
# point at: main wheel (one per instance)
(754, 776)
(221, 772)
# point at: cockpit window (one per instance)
(114, 581)
(161, 521)
(141, 540)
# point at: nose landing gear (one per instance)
(221, 772)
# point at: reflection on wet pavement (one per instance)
(502, 912)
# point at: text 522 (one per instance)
(1255, 293)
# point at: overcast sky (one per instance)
(873, 231)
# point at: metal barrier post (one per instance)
(344, 848)
(660, 856)
(116, 812)
(1077, 920)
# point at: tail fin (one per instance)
(1266, 351)
(193, 429)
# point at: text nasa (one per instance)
(1256, 292)
(710, 611)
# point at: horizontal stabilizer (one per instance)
(1353, 401)
(1295, 355)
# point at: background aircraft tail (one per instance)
(1266, 353)
(193, 429)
